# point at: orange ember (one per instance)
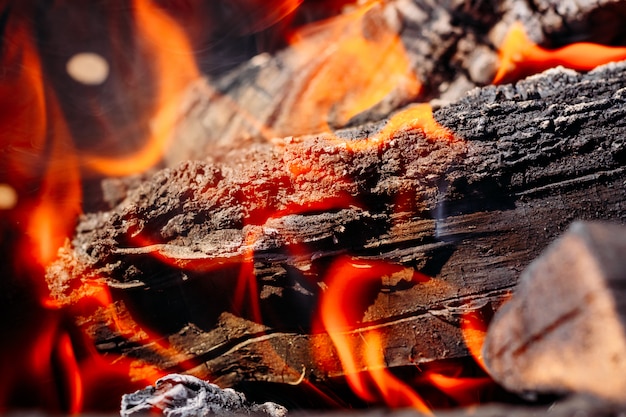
(520, 57)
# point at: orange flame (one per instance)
(60, 193)
(46, 356)
(474, 330)
(417, 116)
(395, 393)
(339, 314)
(463, 390)
(348, 69)
(520, 57)
(172, 57)
(39, 152)
(268, 12)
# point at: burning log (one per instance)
(425, 50)
(426, 225)
(563, 330)
(389, 213)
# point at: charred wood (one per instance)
(470, 212)
(449, 47)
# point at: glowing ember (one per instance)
(520, 57)
(88, 68)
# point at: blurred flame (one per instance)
(74, 380)
(351, 65)
(474, 330)
(463, 390)
(370, 379)
(267, 12)
(520, 57)
(59, 203)
(173, 61)
(47, 363)
(36, 136)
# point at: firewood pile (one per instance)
(398, 220)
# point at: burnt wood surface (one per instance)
(469, 212)
(450, 47)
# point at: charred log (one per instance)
(470, 212)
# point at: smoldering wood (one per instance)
(563, 330)
(471, 212)
(262, 97)
(451, 47)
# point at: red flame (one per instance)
(520, 57)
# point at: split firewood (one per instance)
(563, 331)
(228, 262)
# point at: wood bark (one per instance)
(469, 211)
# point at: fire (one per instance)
(462, 390)
(171, 56)
(520, 57)
(46, 361)
(37, 137)
(348, 71)
(268, 12)
(417, 116)
(40, 193)
(474, 330)
(369, 379)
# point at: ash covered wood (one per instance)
(471, 212)
(187, 396)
